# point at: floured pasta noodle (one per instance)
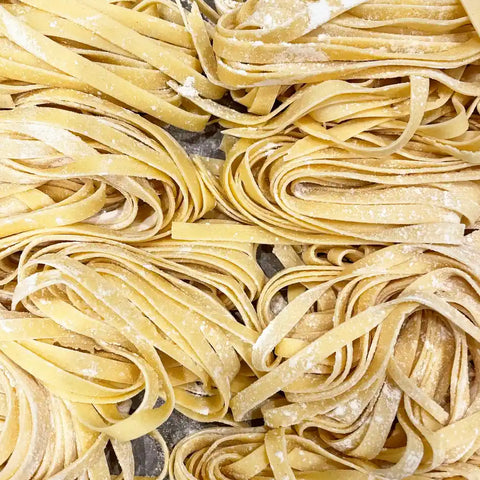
(241, 453)
(108, 321)
(310, 191)
(228, 270)
(126, 51)
(129, 276)
(40, 436)
(342, 161)
(314, 254)
(266, 44)
(69, 158)
(377, 357)
(368, 76)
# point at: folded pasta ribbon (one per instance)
(295, 188)
(106, 321)
(113, 49)
(247, 453)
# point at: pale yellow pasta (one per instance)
(109, 48)
(378, 358)
(279, 454)
(130, 277)
(40, 436)
(265, 44)
(383, 70)
(69, 158)
(96, 323)
(144, 321)
(341, 161)
(300, 189)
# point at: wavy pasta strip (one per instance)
(40, 437)
(261, 43)
(369, 66)
(307, 190)
(135, 320)
(244, 453)
(121, 52)
(128, 270)
(69, 158)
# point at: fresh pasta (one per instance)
(263, 47)
(316, 294)
(126, 51)
(96, 323)
(304, 190)
(71, 159)
(335, 161)
(244, 453)
(378, 357)
(40, 436)
(127, 311)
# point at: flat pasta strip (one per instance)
(40, 436)
(245, 453)
(321, 282)
(373, 356)
(134, 320)
(124, 54)
(322, 63)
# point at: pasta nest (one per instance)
(240, 453)
(69, 159)
(302, 189)
(97, 323)
(263, 44)
(125, 51)
(376, 359)
(41, 438)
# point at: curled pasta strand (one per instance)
(299, 189)
(145, 320)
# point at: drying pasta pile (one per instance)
(313, 298)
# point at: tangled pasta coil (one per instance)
(359, 128)
(40, 437)
(305, 190)
(265, 44)
(71, 159)
(378, 357)
(404, 76)
(244, 453)
(126, 51)
(101, 322)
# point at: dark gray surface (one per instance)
(206, 143)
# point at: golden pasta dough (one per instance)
(131, 280)
(343, 157)
(265, 46)
(378, 357)
(40, 436)
(244, 453)
(305, 190)
(124, 320)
